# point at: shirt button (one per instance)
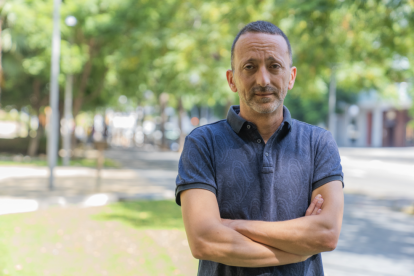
(248, 126)
(258, 141)
(266, 154)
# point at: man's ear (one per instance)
(230, 80)
(293, 72)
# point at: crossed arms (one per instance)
(247, 243)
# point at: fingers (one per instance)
(315, 206)
(311, 207)
(318, 206)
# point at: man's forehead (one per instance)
(251, 43)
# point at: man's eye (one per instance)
(248, 67)
(275, 66)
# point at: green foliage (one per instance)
(127, 47)
(19, 145)
(145, 214)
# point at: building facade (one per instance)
(377, 121)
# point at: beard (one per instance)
(264, 105)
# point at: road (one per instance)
(384, 173)
(377, 238)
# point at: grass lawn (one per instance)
(126, 238)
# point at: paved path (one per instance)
(372, 172)
(375, 240)
(144, 175)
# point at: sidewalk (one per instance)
(384, 154)
(32, 182)
(150, 177)
(145, 174)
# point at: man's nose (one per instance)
(263, 78)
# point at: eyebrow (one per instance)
(271, 58)
(268, 58)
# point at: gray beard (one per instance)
(264, 109)
(257, 105)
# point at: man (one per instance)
(245, 184)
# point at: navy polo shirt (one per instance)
(253, 180)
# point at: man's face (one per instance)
(262, 73)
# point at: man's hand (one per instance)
(313, 209)
(315, 206)
(316, 232)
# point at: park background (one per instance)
(135, 77)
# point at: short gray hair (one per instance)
(260, 27)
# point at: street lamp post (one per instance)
(67, 127)
(53, 132)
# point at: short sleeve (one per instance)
(195, 168)
(327, 165)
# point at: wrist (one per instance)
(304, 258)
(240, 226)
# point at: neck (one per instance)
(267, 124)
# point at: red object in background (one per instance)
(369, 128)
(395, 127)
(195, 121)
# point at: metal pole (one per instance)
(332, 103)
(53, 132)
(68, 119)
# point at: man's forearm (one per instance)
(307, 235)
(302, 236)
(227, 246)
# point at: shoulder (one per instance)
(316, 137)
(307, 127)
(201, 140)
(315, 133)
(205, 134)
(208, 130)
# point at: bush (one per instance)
(20, 145)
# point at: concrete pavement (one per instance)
(376, 239)
(383, 154)
(145, 175)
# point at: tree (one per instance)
(182, 48)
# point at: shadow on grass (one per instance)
(163, 214)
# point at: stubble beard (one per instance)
(264, 105)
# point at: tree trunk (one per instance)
(163, 105)
(332, 103)
(34, 142)
(78, 101)
(180, 124)
(36, 103)
(79, 97)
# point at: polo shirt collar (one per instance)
(236, 122)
